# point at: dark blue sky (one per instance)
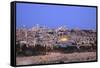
(54, 16)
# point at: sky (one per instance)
(54, 16)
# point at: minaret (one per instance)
(23, 26)
(37, 25)
(25, 29)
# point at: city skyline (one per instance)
(54, 16)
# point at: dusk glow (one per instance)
(54, 16)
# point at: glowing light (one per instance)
(64, 39)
